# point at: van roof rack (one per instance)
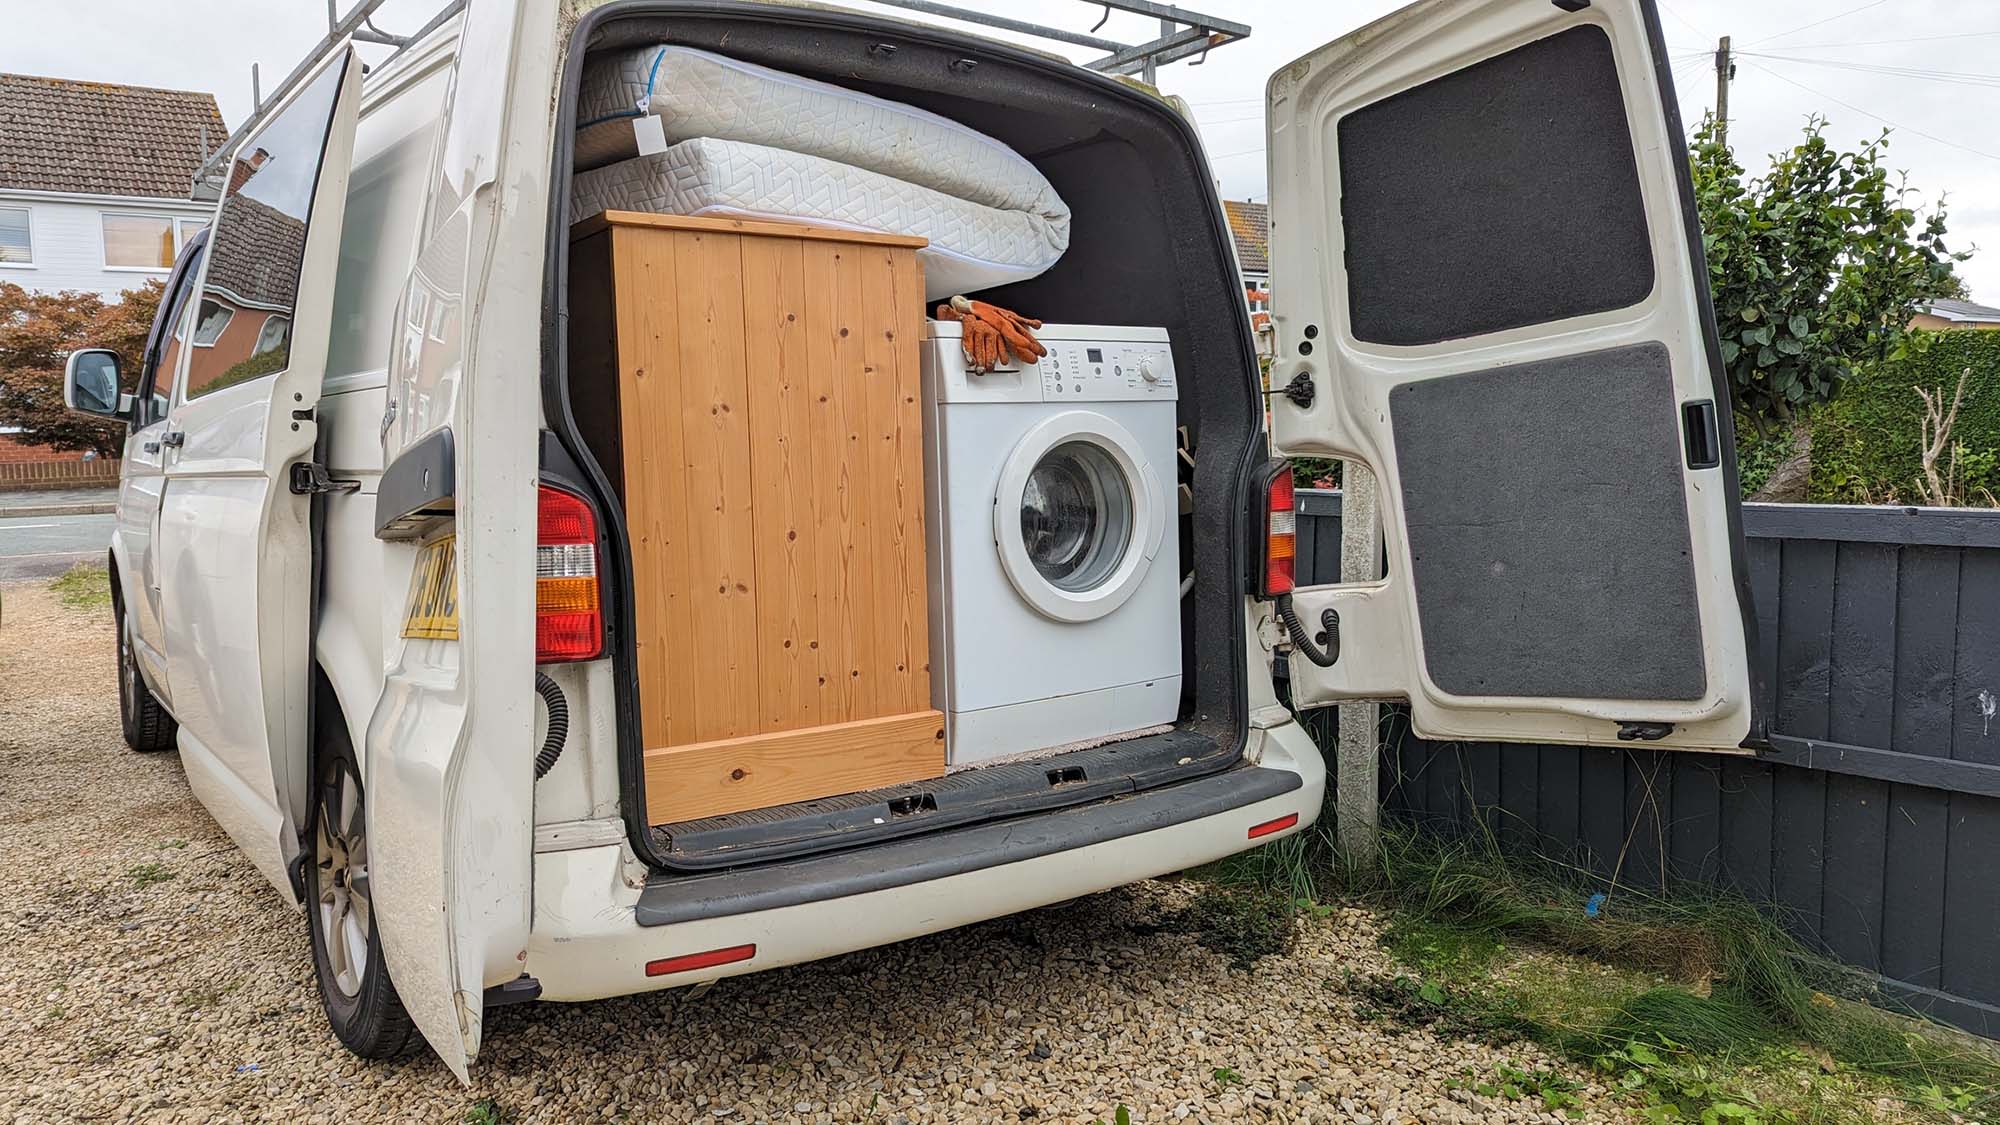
(1182, 33)
(358, 24)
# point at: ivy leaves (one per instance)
(1815, 267)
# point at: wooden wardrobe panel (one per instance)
(769, 430)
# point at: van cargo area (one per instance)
(1147, 246)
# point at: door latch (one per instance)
(309, 478)
(1299, 390)
(173, 438)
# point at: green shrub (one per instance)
(1867, 444)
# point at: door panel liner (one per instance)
(670, 899)
(989, 792)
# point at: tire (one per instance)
(146, 725)
(360, 1001)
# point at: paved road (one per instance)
(45, 546)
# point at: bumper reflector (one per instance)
(1270, 826)
(667, 966)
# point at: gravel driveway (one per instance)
(146, 971)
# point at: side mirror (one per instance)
(90, 383)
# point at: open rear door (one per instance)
(1486, 263)
(235, 542)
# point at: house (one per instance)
(1944, 313)
(244, 325)
(1250, 225)
(95, 181)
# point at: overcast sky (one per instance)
(1925, 68)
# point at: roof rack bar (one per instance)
(339, 30)
(1200, 33)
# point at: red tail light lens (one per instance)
(569, 614)
(1280, 535)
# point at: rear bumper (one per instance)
(589, 942)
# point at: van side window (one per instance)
(160, 379)
(258, 246)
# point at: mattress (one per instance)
(699, 94)
(973, 246)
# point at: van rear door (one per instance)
(451, 745)
(1487, 274)
(235, 545)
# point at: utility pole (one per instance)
(1725, 69)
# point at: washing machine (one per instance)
(1055, 568)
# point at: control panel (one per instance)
(1086, 363)
(1107, 371)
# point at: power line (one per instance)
(1962, 78)
(1669, 9)
(1817, 23)
(1890, 42)
(1876, 116)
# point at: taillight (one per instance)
(1280, 534)
(569, 614)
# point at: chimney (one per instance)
(245, 168)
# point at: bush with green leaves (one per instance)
(1815, 267)
(1867, 445)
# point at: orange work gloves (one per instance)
(992, 333)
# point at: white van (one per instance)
(1488, 285)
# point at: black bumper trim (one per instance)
(670, 899)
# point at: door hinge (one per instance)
(309, 478)
(1644, 732)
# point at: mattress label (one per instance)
(651, 134)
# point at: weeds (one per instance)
(147, 874)
(1226, 1076)
(485, 1111)
(83, 586)
(1694, 1001)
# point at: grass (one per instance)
(147, 874)
(1694, 1002)
(83, 586)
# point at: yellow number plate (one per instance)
(433, 608)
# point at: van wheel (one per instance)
(146, 725)
(354, 987)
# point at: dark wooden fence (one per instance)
(1872, 824)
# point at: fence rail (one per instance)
(1872, 823)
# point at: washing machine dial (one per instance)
(1147, 371)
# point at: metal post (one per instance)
(1357, 755)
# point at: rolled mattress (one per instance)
(973, 246)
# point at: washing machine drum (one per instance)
(1078, 516)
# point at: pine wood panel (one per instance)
(770, 440)
(761, 770)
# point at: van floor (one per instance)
(966, 797)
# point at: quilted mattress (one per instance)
(973, 246)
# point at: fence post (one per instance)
(1357, 758)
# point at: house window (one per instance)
(17, 246)
(275, 334)
(190, 228)
(138, 241)
(210, 322)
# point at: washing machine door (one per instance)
(1078, 516)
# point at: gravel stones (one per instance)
(147, 972)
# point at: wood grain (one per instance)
(769, 430)
(760, 770)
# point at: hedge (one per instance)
(1867, 443)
